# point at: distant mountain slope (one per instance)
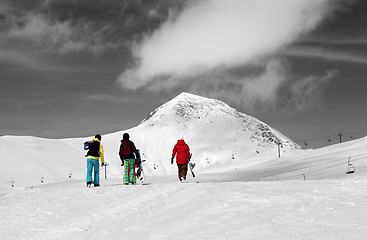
(219, 137)
(216, 133)
(188, 111)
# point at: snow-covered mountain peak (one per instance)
(186, 95)
(189, 114)
(185, 107)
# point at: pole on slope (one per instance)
(279, 143)
(340, 136)
(105, 170)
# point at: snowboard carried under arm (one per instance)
(140, 172)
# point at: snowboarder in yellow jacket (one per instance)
(95, 152)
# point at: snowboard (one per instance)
(191, 166)
(140, 172)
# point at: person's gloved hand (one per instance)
(172, 161)
(102, 164)
(138, 161)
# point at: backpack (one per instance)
(126, 148)
(87, 144)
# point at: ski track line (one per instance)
(146, 205)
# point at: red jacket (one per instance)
(183, 152)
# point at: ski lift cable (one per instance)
(333, 166)
(314, 165)
(308, 173)
(357, 159)
(297, 175)
(305, 140)
(301, 168)
(325, 168)
(358, 155)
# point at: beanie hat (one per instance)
(98, 136)
(126, 136)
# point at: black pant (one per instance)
(182, 171)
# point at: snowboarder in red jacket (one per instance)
(183, 157)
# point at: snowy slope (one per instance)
(166, 209)
(219, 137)
(219, 206)
(212, 206)
(319, 164)
(305, 194)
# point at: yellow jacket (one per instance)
(101, 154)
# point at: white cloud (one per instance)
(322, 53)
(264, 88)
(38, 29)
(216, 34)
(53, 35)
(249, 92)
(106, 98)
(344, 40)
(307, 92)
(29, 61)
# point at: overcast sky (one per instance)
(71, 68)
